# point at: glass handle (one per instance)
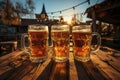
(23, 42)
(96, 42)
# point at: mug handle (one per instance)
(95, 42)
(23, 42)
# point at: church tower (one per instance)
(43, 15)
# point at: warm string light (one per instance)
(69, 17)
(87, 1)
(73, 15)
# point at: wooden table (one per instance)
(104, 65)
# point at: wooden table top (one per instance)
(104, 65)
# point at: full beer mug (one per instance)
(83, 38)
(38, 37)
(60, 38)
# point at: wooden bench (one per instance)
(104, 65)
(7, 47)
(111, 42)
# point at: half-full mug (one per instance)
(38, 37)
(82, 40)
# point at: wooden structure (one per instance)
(7, 47)
(104, 65)
(107, 11)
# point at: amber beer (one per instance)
(82, 37)
(82, 41)
(38, 39)
(60, 38)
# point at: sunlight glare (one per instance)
(68, 19)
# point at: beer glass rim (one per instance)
(41, 25)
(37, 27)
(62, 27)
(81, 28)
(83, 25)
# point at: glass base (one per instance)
(56, 59)
(38, 59)
(82, 59)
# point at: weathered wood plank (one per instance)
(103, 66)
(103, 73)
(20, 71)
(111, 49)
(92, 71)
(39, 72)
(4, 60)
(82, 74)
(11, 74)
(107, 57)
(10, 55)
(72, 68)
(114, 63)
(60, 71)
(30, 74)
(46, 73)
(8, 64)
(106, 68)
(5, 71)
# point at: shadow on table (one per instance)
(56, 71)
(88, 71)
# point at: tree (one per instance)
(6, 12)
(10, 13)
(30, 5)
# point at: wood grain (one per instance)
(106, 68)
(102, 66)
(72, 68)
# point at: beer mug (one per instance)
(60, 39)
(38, 37)
(83, 39)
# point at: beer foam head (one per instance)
(81, 28)
(59, 28)
(37, 27)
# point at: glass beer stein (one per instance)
(38, 37)
(83, 40)
(60, 38)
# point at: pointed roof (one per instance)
(43, 15)
(43, 12)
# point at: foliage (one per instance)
(11, 13)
